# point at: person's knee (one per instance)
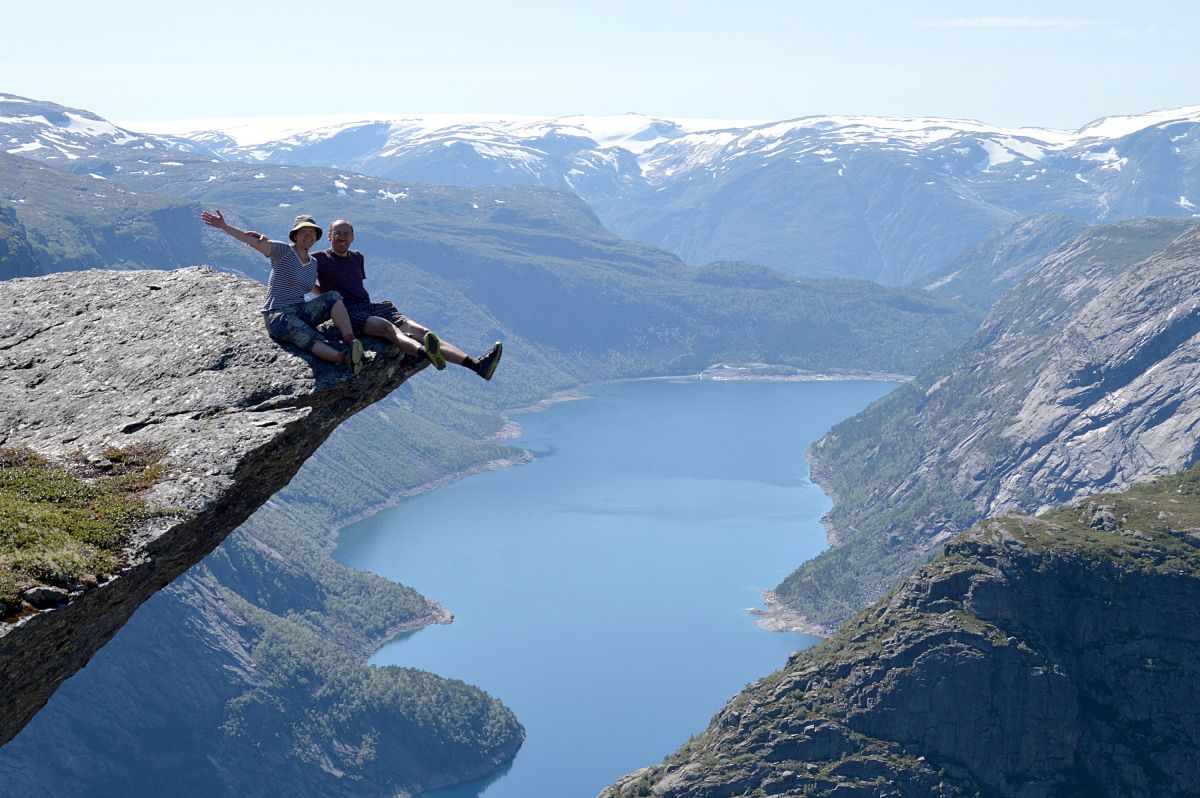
(374, 325)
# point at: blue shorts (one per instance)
(297, 324)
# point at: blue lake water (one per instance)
(601, 590)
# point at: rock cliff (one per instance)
(17, 258)
(982, 274)
(1079, 380)
(177, 361)
(1036, 657)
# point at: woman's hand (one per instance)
(256, 240)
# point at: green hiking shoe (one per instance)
(433, 350)
(356, 355)
(486, 366)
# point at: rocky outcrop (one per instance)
(1081, 379)
(1036, 657)
(178, 361)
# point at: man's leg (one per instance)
(449, 351)
(382, 328)
(484, 365)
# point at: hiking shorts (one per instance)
(296, 324)
(359, 311)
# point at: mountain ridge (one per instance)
(886, 199)
(1076, 382)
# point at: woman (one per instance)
(288, 315)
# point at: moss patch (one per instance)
(63, 524)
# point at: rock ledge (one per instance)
(177, 360)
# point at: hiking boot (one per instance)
(486, 366)
(356, 355)
(433, 351)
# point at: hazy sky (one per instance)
(1006, 62)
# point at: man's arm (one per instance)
(317, 289)
(255, 240)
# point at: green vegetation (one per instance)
(1153, 528)
(355, 714)
(312, 622)
(279, 559)
(66, 222)
(64, 525)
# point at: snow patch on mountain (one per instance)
(252, 131)
(1115, 127)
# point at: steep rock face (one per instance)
(982, 274)
(278, 720)
(17, 258)
(1079, 380)
(1049, 656)
(178, 361)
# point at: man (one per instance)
(342, 270)
(289, 317)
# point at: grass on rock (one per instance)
(64, 524)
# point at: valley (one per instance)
(1038, 284)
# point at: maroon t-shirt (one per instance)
(344, 275)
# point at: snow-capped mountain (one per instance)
(886, 199)
(48, 131)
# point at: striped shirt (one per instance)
(290, 279)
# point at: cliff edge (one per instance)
(172, 361)
(1035, 657)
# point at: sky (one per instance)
(1006, 63)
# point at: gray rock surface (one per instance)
(177, 360)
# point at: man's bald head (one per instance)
(341, 236)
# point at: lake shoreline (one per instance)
(774, 616)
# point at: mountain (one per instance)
(210, 684)
(17, 257)
(1078, 381)
(886, 199)
(51, 132)
(984, 273)
(537, 265)
(268, 621)
(60, 221)
(1035, 657)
